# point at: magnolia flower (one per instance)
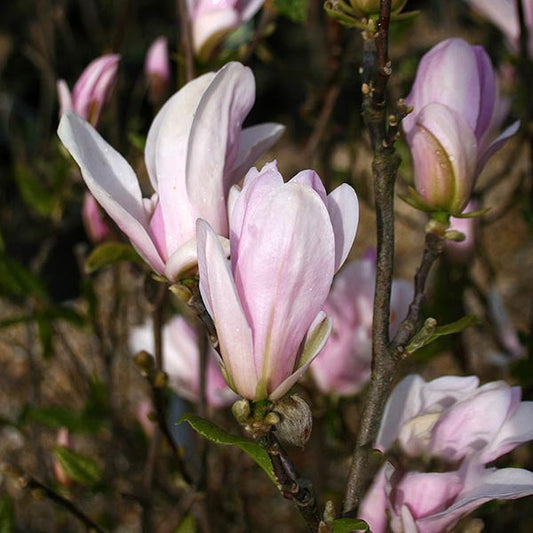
(287, 240)
(181, 361)
(503, 14)
(195, 151)
(434, 502)
(343, 366)
(213, 19)
(157, 69)
(447, 418)
(96, 226)
(92, 90)
(453, 129)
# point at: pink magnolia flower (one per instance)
(343, 366)
(434, 502)
(181, 361)
(95, 224)
(503, 14)
(453, 129)
(157, 69)
(447, 418)
(195, 151)
(92, 90)
(213, 19)
(287, 240)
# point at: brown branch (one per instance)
(186, 39)
(292, 486)
(34, 485)
(386, 354)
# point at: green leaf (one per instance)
(110, 253)
(218, 435)
(187, 525)
(296, 10)
(58, 417)
(347, 525)
(77, 466)
(17, 281)
(35, 194)
(427, 335)
(7, 515)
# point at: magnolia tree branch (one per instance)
(186, 39)
(292, 486)
(387, 353)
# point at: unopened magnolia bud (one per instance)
(295, 422)
(241, 411)
(366, 8)
(144, 361)
(329, 512)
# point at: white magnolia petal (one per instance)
(220, 295)
(343, 208)
(111, 181)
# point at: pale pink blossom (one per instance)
(287, 240)
(96, 226)
(447, 418)
(343, 366)
(432, 502)
(211, 20)
(454, 127)
(181, 361)
(195, 151)
(92, 90)
(157, 69)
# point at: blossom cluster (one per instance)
(265, 252)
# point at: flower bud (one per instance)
(454, 128)
(296, 420)
(157, 70)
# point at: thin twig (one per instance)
(33, 484)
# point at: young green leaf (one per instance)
(216, 434)
(77, 466)
(110, 253)
(296, 10)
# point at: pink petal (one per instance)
(284, 281)
(253, 142)
(111, 181)
(220, 296)
(214, 139)
(166, 153)
(343, 208)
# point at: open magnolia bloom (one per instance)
(195, 151)
(447, 418)
(343, 367)
(465, 425)
(454, 127)
(213, 19)
(181, 361)
(433, 502)
(287, 240)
